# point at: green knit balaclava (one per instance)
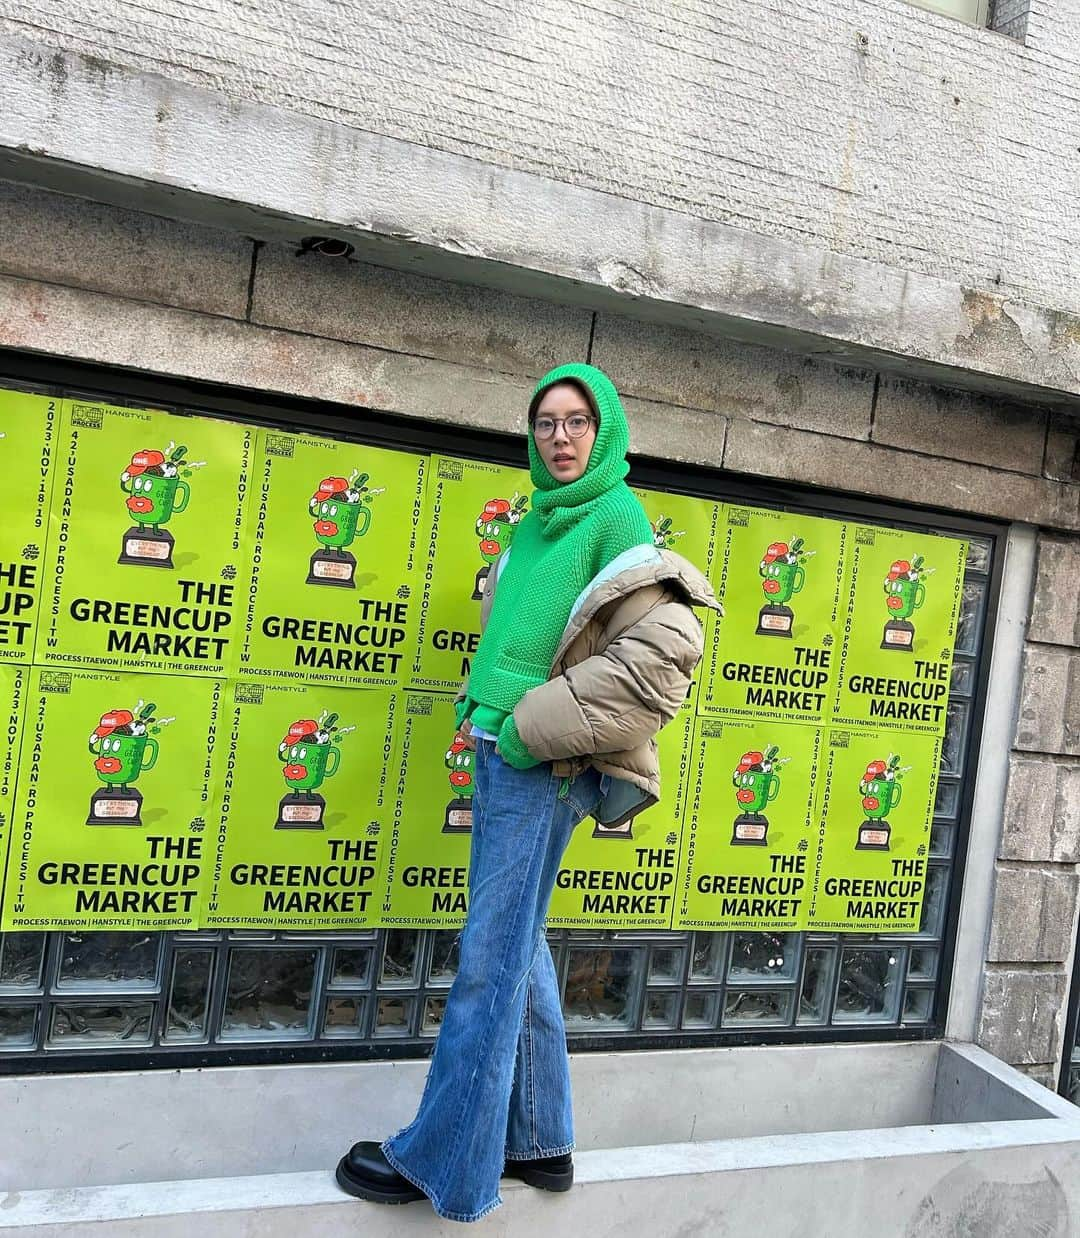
(574, 530)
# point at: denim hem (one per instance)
(538, 1155)
(445, 1213)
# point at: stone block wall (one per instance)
(1037, 888)
(89, 282)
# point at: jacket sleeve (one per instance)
(618, 699)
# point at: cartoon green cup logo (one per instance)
(783, 574)
(495, 528)
(157, 489)
(459, 760)
(311, 754)
(881, 791)
(124, 746)
(757, 783)
(664, 536)
(342, 511)
(905, 592)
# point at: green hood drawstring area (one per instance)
(574, 530)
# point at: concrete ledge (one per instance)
(902, 1183)
(85, 126)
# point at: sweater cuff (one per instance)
(510, 747)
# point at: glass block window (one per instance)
(79, 1000)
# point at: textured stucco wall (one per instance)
(874, 130)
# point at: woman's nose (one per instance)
(560, 435)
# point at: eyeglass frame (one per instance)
(590, 418)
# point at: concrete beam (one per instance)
(92, 128)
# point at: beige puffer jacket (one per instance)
(622, 669)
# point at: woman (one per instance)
(588, 648)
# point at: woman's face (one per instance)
(566, 458)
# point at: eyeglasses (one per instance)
(577, 426)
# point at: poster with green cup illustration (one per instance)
(29, 427)
(472, 511)
(13, 683)
(687, 526)
(873, 830)
(145, 569)
(335, 539)
(115, 793)
(902, 603)
(623, 877)
(307, 801)
(427, 877)
(779, 576)
(749, 831)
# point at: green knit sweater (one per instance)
(573, 531)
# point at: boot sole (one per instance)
(540, 1178)
(377, 1195)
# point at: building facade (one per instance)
(826, 256)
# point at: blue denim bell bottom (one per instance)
(499, 1082)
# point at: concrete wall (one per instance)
(94, 282)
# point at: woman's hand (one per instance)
(465, 731)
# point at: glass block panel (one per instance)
(816, 985)
(766, 956)
(661, 1010)
(967, 625)
(918, 1005)
(118, 1023)
(933, 911)
(707, 961)
(18, 1025)
(947, 799)
(978, 555)
(268, 994)
(952, 749)
(95, 960)
(394, 1016)
(942, 838)
(344, 1017)
(434, 1009)
(21, 957)
(600, 988)
(400, 957)
(962, 679)
(752, 1008)
(445, 951)
(666, 966)
(923, 963)
(870, 986)
(702, 1007)
(189, 996)
(351, 967)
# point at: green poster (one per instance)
(779, 576)
(116, 780)
(472, 509)
(306, 807)
(29, 425)
(334, 539)
(144, 561)
(688, 526)
(877, 799)
(428, 868)
(13, 685)
(901, 609)
(748, 838)
(624, 877)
